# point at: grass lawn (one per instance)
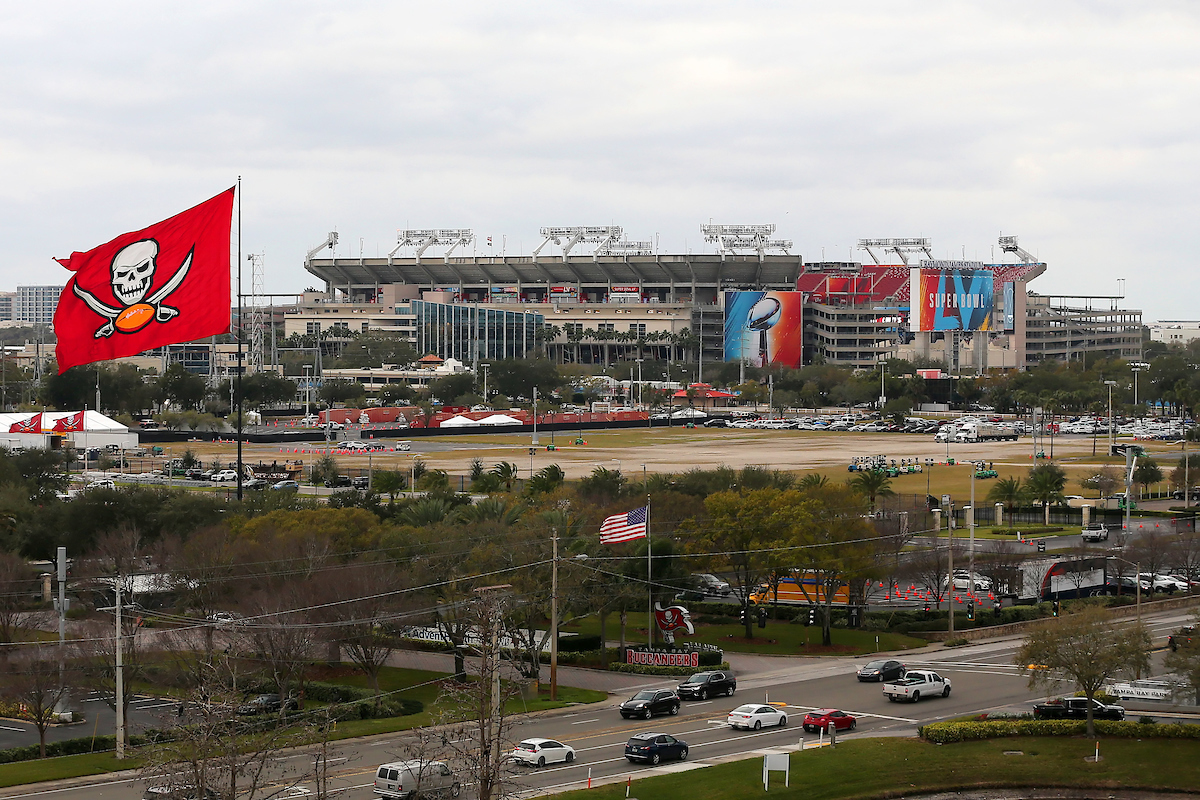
(779, 638)
(52, 769)
(883, 767)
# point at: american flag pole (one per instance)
(649, 579)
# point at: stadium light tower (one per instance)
(756, 238)
(603, 236)
(901, 247)
(1008, 244)
(424, 238)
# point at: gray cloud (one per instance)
(1072, 124)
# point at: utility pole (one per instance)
(535, 436)
(949, 562)
(120, 675)
(62, 620)
(554, 619)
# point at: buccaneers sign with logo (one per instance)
(672, 619)
(165, 284)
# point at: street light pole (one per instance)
(1110, 385)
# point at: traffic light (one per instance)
(742, 616)
(762, 618)
(811, 618)
(996, 606)
(971, 609)
(1055, 608)
(927, 609)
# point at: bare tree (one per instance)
(209, 746)
(279, 637)
(928, 566)
(206, 562)
(1086, 648)
(360, 602)
(96, 658)
(1151, 551)
(17, 586)
(1002, 565)
(1185, 555)
(32, 681)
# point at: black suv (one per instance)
(337, 481)
(649, 702)
(361, 482)
(704, 685)
(655, 747)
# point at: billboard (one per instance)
(764, 328)
(950, 299)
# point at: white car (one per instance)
(224, 475)
(103, 483)
(540, 752)
(311, 419)
(754, 716)
(962, 582)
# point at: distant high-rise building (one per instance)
(36, 304)
(8, 301)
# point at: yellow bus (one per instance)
(798, 589)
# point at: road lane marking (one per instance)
(19, 730)
(586, 721)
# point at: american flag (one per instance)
(625, 527)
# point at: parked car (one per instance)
(309, 421)
(753, 717)
(655, 747)
(103, 483)
(649, 702)
(962, 582)
(881, 670)
(266, 704)
(286, 485)
(825, 718)
(1184, 637)
(1159, 583)
(254, 483)
(704, 685)
(361, 482)
(540, 752)
(337, 481)
(223, 476)
(406, 780)
(1076, 708)
(224, 619)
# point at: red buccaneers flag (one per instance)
(31, 425)
(71, 422)
(165, 284)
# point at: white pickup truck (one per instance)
(915, 683)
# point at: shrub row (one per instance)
(645, 669)
(73, 747)
(353, 702)
(948, 732)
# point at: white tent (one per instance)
(98, 430)
(458, 422)
(500, 419)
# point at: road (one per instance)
(984, 678)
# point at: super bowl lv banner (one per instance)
(164, 284)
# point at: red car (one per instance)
(826, 718)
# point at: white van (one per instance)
(407, 780)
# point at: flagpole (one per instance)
(649, 579)
(238, 390)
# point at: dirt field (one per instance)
(677, 450)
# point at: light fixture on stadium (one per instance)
(424, 238)
(600, 235)
(330, 242)
(901, 247)
(734, 238)
(626, 249)
(1008, 244)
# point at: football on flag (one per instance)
(164, 284)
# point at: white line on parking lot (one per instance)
(19, 730)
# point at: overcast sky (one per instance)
(1072, 124)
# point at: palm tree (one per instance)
(1008, 491)
(873, 484)
(813, 480)
(547, 479)
(390, 482)
(493, 509)
(426, 511)
(506, 471)
(1046, 484)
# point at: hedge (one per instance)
(74, 747)
(948, 732)
(578, 644)
(645, 669)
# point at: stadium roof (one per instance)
(776, 271)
